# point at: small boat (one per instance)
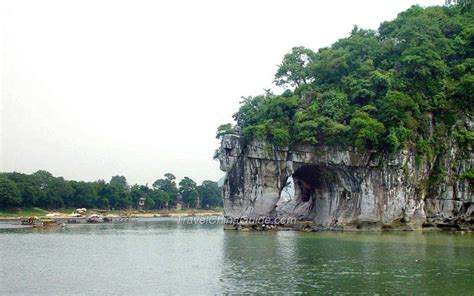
(94, 218)
(108, 219)
(29, 220)
(44, 222)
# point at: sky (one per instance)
(92, 89)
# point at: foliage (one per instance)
(42, 189)
(365, 130)
(224, 129)
(210, 194)
(469, 175)
(9, 194)
(167, 185)
(187, 188)
(379, 89)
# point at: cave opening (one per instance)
(310, 181)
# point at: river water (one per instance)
(162, 256)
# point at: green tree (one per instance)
(294, 69)
(140, 191)
(119, 182)
(187, 188)
(398, 109)
(9, 194)
(167, 185)
(210, 194)
(29, 187)
(224, 129)
(85, 195)
(415, 69)
(366, 131)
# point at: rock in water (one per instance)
(345, 189)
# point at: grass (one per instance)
(65, 211)
(26, 212)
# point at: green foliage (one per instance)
(9, 194)
(365, 130)
(267, 117)
(374, 89)
(210, 194)
(42, 189)
(119, 182)
(224, 129)
(168, 186)
(465, 5)
(464, 137)
(424, 148)
(437, 175)
(187, 188)
(469, 175)
(397, 136)
(398, 109)
(293, 70)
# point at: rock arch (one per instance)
(340, 188)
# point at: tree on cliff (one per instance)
(224, 129)
(374, 90)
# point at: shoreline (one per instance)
(123, 214)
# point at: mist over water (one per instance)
(163, 256)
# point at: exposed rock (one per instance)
(343, 189)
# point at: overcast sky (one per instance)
(92, 89)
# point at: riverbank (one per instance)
(66, 213)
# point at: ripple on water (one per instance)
(161, 256)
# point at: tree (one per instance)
(210, 194)
(187, 188)
(140, 191)
(119, 182)
(294, 69)
(161, 198)
(398, 109)
(466, 5)
(367, 131)
(224, 129)
(167, 185)
(374, 89)
(119, 193)
(57, 194)
(85, 195)
(9, 194)
(29, 187)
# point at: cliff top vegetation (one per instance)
(406, 84)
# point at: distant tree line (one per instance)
(42, 189)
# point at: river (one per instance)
(162, 256)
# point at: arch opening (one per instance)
(312, 181)
(287, 193)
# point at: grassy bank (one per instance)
(26, 212)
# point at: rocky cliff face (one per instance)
(344, 189)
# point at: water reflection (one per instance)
(159, 255)
(347, 262)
